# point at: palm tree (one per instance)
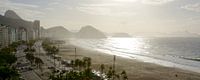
(87, 62)
(109, 73)
(81, 65)
(29, 50)
(77, 63)
(72, 63)
(30, 57)
(32, 50)
(31, 43)
(26, 50)
(124, 76)
(102, 67)
(49, 50)
(39, 62)
(88, 74)
(54, 51)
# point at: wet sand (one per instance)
(136, 70)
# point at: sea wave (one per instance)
(166, 52)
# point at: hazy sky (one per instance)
(111, 15)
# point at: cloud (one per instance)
(106, 9)
(117, 7)
(27, 11)
(156, 2)
(126, 0)
(94, 10)
(192, 7)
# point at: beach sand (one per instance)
(136, 70)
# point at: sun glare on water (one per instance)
(131, 44)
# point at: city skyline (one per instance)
(99, 39)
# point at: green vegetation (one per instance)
(30, 43)
(82, 71)
(7, 58)
(81, 68)
(7, 73)
(30, 55)
(50, 48)
(39, 63)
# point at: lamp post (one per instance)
(114, 59)
(75, 54)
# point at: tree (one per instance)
(102, 67)
(80, 63)
(124, 76)
(26, 50)
(39, 63)
(109, 73)
(54, 51)
(6, 57)
(14, 45)
(10, 59)
(8, 50)
(77, 63)
(29, 50)
(85, 74)
(7, 73)
(72, 63)
(87, 62)
(30, 57)
(31, 43)
(48, 49)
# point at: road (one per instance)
(40, 52)
(25, 74)
(30, 75)
(49, 62)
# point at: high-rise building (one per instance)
(23, 35)
(12, 35)
(4, 36)
(36, 28)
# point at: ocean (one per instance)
(175, 52)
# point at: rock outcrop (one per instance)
(90, 32)
(58, 32)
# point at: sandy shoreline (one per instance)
(136, 70)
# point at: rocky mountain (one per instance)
(11, 19)
(90, 32)
(121, 35)
(58, 32)
(11, 14)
